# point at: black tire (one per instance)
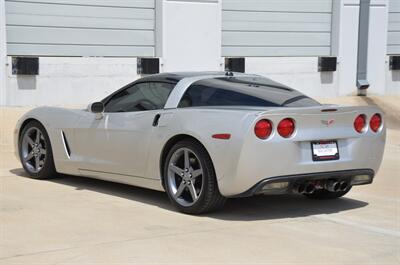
(48, 170)
(326, 194)
(210, 199)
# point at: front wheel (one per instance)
(35, 151)
(189, 179)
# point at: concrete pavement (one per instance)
(73, 220)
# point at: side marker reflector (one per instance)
(223, 136)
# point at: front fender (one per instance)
(54, 120)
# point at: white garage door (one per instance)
(276, 27)
(80, 27)
(394, 27)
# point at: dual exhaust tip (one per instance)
(305, 188)
(335, 186)
(331, 185)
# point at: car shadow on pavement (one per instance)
(282, 206)
(238, 209)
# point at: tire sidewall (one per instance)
(197, 150)
(48, 168)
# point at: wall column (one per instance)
(188, 35)
(3, 54)
(377, 46)
(345, 21)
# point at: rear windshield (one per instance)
(243, 91)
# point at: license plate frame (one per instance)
(328, 147)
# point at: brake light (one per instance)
(359, 123)
(263, 129)
(286, 127)
(375, 122)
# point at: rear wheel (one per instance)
(35, 151)
(326, 194)
(189, 179)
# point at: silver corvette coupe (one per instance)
(205, 137)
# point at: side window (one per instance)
(140, 97)
(198, 95)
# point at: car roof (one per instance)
(171, 77)
(175, 77)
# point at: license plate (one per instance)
(325, 150)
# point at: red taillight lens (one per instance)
(375, 122)
(286, 127)
(359, 123)
(263, 129)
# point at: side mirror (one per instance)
(96, 107)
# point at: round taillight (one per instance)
(375, 122)
(359, 123)
(263, 129)
(286, 127)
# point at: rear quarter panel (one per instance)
(201, 124)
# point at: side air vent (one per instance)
(328, 110)
(66, 145)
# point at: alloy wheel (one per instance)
(185, 177)
(33, 150)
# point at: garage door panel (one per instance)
(292, 22)
(276, 51)
(275, 38)
(111, 3)
(394, 5)
(78, 22)
(279, 5)
(394, 22)
(78, 36)
(275, 27)
(80, 27)
(394, 38)
(393, 41)
(260, 28)
(393, 49)
(78, 11)
(79, 50)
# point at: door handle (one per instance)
(156, 119)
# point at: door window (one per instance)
(140, 97)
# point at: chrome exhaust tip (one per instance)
(310, 188)
(332, 185)
(343, 185)
(304, 188)
(300, 188)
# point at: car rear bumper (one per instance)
(292, 180)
